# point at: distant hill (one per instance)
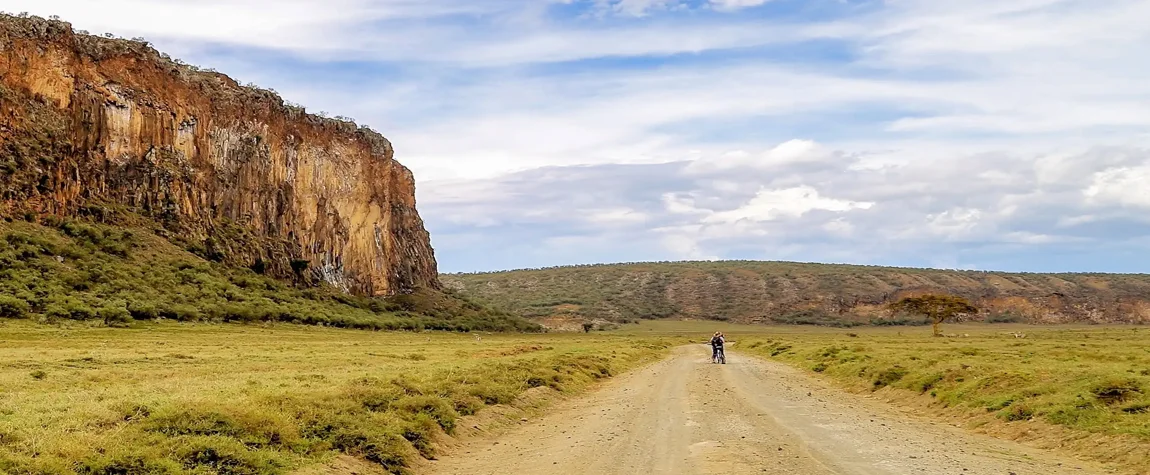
(784, 292)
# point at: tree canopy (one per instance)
(939, 308)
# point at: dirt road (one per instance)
(687, 416)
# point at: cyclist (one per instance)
(717, 342)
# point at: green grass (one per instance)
(244, 399)
(798, 293)
(73, 270)
(1094, 380)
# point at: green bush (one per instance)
(69, 309)
(114, 314)
(1017, 412)
(889, 376)
(143, 311)
(1117, 390)
(13, 307)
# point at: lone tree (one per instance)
(939, 308)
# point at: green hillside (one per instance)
(784, 292)
(74, 270)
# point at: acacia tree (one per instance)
(939, 308)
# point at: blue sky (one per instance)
(985, 134)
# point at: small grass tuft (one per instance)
(1117, 390)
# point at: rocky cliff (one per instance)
(103, 126)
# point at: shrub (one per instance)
(13, 307)
(133, 464)
(1018, 412)
(114, 315)
(228, 456)
(70, 309)
(181, 312)
(143, 310)
(888, 377)
(1117, 390)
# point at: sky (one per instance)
(977, 134)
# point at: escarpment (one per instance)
(787, 292)
(99, 126)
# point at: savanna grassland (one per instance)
(1081, 387)
(266, 399)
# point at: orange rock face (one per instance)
(89, 122)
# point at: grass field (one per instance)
(251, 399)
(245, 399)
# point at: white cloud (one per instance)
(787, 153)
(680, 205)
(641, 8)
(685, 247)
(442, 31)
(1127, 186)
(769, 205)
(636, 7)
(731, 5)
(616, 216)
(841, 212)
(954, 223)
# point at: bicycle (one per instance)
(720, 356)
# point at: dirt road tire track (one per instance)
(687, 416)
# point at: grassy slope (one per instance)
(117, 275)
(193, 398)
(796, 293)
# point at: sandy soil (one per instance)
(685, 415)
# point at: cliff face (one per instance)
(92, 125)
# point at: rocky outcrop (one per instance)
(92, 125)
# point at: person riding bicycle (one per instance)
(717, 342)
